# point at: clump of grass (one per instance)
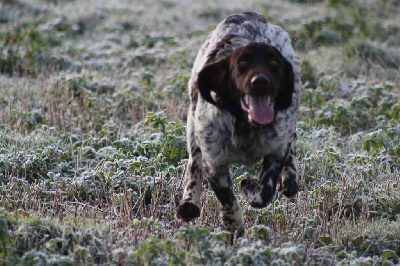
(366, 57)
(41, 240)
(360, 107)
(308, 74)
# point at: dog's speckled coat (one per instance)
(218, 137)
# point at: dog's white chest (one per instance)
(214, 132)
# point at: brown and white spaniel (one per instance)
(245, 91)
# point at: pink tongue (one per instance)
(261, 110)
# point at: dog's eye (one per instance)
(273, 63)
(243, 63)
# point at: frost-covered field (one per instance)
(93, 101)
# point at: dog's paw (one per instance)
(288, 187)
(249, 184)
(256, 194)
(187, 211)
(232, 220)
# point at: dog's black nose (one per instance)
(259, 81)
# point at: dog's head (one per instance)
(254, 81)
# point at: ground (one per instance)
(93, 104)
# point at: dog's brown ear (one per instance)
(286, 89)
(212, 78)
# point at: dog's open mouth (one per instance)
(260, 109)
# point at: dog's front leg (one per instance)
(190, 206)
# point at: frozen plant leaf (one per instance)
(389, 255)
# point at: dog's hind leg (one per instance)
(288, 184)
(279, 171)
(231, 213)
(259, 191)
